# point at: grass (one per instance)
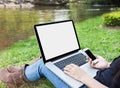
(100, 40)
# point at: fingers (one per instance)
(74, 71)
(69, 69)
(93, 63)
(98, 57)
(90, 61)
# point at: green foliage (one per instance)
(101, 41)
(112, 19)
(118, 9)
(101, 2)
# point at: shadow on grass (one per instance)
(42, 83)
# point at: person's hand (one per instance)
(79, 74)
(75, 72)
(101, 64)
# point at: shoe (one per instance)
(15, 79)
(13, 69)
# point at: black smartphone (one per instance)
(90, 54)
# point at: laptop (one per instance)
(59, 47)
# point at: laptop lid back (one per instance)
(56, 39)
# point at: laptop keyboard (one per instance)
(78, 59)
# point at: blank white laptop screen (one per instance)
(57, 39)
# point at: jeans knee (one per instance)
(41, 67)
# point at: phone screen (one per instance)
(89, 53)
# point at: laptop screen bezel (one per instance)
(40, 45)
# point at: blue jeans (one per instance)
(37, 70)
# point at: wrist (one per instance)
(108, 65)
(85, 78)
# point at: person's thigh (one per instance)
(38, 69)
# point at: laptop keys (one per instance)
(78, 59)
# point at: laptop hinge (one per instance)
(65, 55)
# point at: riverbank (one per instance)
(99, 40)
(14, 6)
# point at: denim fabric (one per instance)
(37, 70)
(84, 86)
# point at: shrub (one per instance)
(112, 19)
(101, 2)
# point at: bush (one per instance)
(112, 19)
(101, 2)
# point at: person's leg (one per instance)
(37, 70)
(84, 86)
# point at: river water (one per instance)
(17, 24)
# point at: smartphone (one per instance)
(90, 54)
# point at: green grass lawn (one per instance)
(101, 41)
